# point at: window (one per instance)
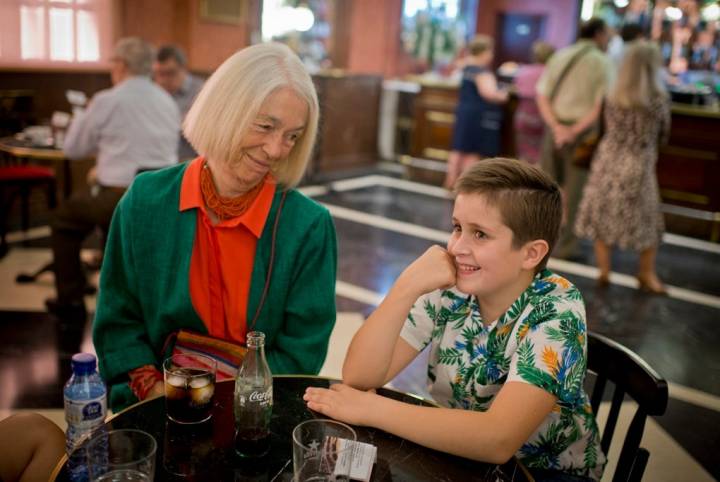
(62, 33)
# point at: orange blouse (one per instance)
(222, 258)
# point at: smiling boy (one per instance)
(507, 337)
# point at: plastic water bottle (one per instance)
(85, 409)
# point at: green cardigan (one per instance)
(144, 284)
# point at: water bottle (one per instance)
(85, 409)
(253, 400)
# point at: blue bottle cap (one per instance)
(83, 363)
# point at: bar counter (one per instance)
(688, 166)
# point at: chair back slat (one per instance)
(631, 447)
(631, 375)
(638, 468)
(597, 393)
(609, 429)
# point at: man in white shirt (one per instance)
(171, 73)
(131, 127)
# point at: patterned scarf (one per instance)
(226, 207)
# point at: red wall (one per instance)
(375, 39)
(206, 42)
(562, 15)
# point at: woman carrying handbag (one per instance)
(621, 201)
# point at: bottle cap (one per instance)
(83, 363)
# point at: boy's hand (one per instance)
(342, 402)
(434, 269)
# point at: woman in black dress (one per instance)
(478, 117)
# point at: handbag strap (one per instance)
(172, 337)
(566, 70)
(270, 264)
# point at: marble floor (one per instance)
(383, 223)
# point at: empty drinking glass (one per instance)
(319, 453)
(122, 456)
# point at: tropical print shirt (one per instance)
(540, 340)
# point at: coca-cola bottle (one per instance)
(253, 400)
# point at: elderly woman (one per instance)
(223, 244)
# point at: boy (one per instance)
(507, 336)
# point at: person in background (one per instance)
(171, 73)
(569, 100)
(30, 448)
(507, 337)
(621, 201)
(478, 117)
(529, 126)
(629, 32)
(135, 125)
(223, 244)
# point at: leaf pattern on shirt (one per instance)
(540, 340)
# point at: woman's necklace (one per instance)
(226, 207)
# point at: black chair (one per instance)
(633, 376)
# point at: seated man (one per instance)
(132, 126)
(171, 73)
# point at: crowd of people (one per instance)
(223, 243)
(565, 100)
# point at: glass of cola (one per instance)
(189, 387)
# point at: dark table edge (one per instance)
(63, 460)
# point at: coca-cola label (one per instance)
(261, 397)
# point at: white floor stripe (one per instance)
(356, 183)
(439, 192)
(32, 233)
(416, 187)
(438, 236)
(388, 224)
(356, 293)
(694, 396)
(629, 281)
(692, 243)
(313, 191)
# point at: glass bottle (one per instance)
(253, 400)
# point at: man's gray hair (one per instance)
(136, 53)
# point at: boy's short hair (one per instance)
(528, 199)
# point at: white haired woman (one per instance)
(224, 244)
(621, 200)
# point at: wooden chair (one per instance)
(631, 375)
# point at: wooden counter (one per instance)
(349, 113)
(688, 167)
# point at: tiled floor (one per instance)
(383, 223)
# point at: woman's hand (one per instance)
(434, 269)
(343, 403)
(157, 390)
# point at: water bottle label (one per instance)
(85, 412)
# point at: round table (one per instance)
(205, 452)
